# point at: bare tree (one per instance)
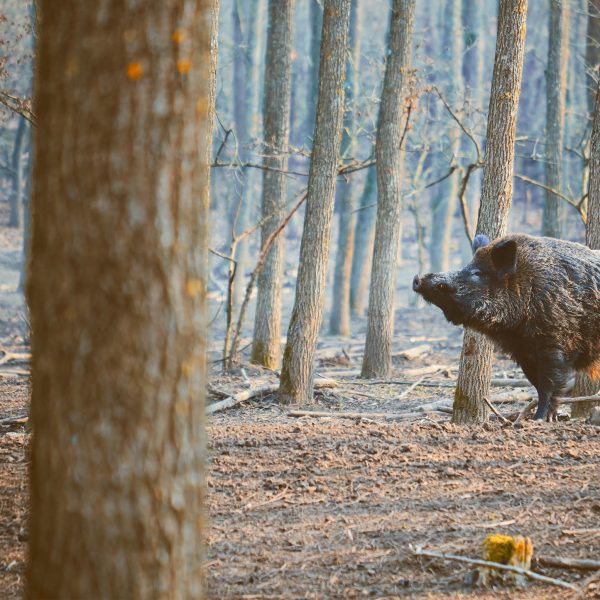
(556, 89)
(339, 322)
(246, 103)
(444, 203)
(276, 109)
(16, 199)
(377, 359)
(297, 371)
(496, 195)
(117, 298)
(363, 245)
(585, 386)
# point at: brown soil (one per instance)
(333, 508)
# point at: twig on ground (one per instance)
(499, 566)
(526, 411)
(17, 419)
(409, 389)
(501, 417)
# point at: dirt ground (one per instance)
(334, 508)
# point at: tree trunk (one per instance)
(592, 52)
(474, 35)
(377, 360)
(556, 89)
(445, 201)
(476, 358)
(339, 323)
(16, 198)
(297, 371)
(316, 25)
(363, 245)
(26, 214)
(276, 109)
(247, 109)
(584, 385)
(117, 299)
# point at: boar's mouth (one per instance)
(440, 293)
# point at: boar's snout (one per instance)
(432, 282)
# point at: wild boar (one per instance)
(537, 298)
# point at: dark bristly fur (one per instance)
(537, 298)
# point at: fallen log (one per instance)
(415, 352)
(262, 390)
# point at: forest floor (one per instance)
(330, 507)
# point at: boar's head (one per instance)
(485, 295)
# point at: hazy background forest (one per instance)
(379, 483)
(453, 53)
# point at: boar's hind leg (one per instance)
(555, 377)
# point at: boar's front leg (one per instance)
(555, 378)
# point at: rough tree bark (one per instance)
(363, 245)
(377, 360)
(339, 321)
(297, 371)
(592, 52)
(445, 201)
(496, 194)
(584, 385)
(117, 299)
(276, 109)
(556, 90)
(316, 26)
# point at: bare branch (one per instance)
(578, 206)
(460, 124)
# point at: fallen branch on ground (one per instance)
(576, 564)
(17, 420)
(502, 418)
(499, 566)
(409, 389)
(357, 415)
(269, 388)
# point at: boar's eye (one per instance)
(476, 275)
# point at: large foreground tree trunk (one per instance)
(556, 90)
(377, 360)
(297, 370)
(476, 359)
(586, 386)
(276, 109)
(117, 298)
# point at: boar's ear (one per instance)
(504, 257)
(479, 241)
